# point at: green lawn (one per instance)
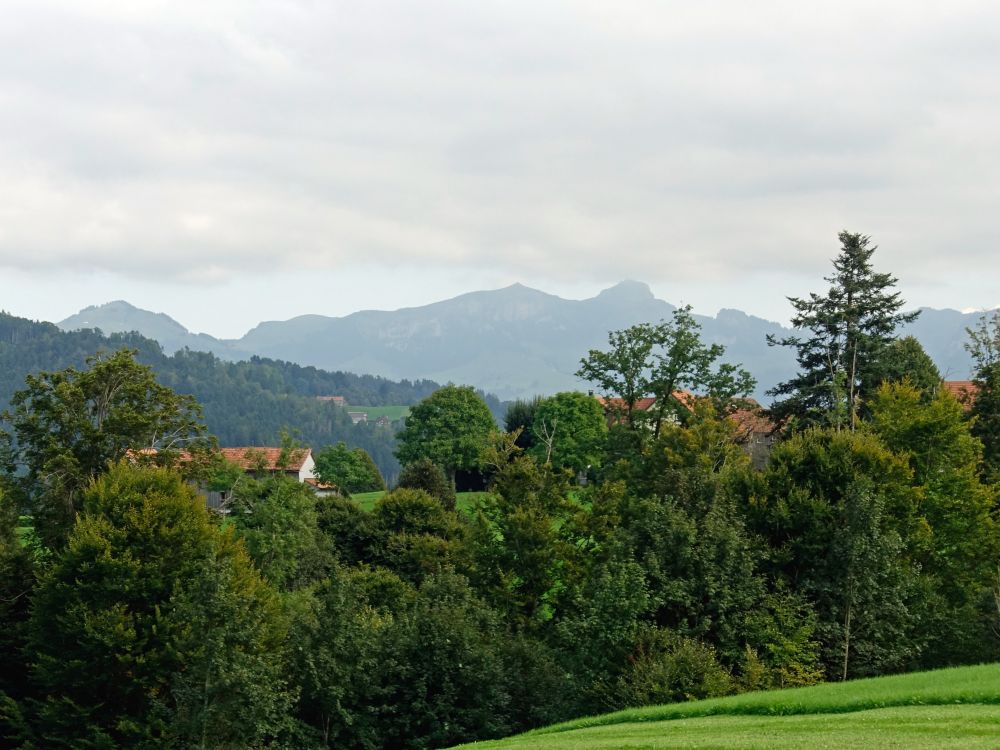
(950, 708)
(464, 501)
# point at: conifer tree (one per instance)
(846, 331)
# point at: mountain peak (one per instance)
(637, 290)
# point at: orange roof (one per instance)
(250, 458)
(963, 390)
(645, 403)
(753, 421)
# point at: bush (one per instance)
(668, 668)
(427, 476)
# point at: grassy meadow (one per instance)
(949, 708)
(464, 501)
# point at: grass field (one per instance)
(464, 501)
(949, 708)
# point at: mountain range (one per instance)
(514, 342)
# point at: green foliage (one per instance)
(903, 360)
(962, 537)
(416, 535)
(69, 425)
(624, 371)
(520, 415)
(151, 628)
(17, 574)
(660, 360)
(442, 660)
(450, 427)
(276, 518)
(569, 431)
(350, 469)
(336, 631)
(347, 528)
(839, 514)
(984, 346)
(667, 668)
(427, 476)
(848, 330)
(518, 552)
(785, 652)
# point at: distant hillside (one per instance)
(513, 342)
(245, 403)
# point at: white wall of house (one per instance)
(308, 468)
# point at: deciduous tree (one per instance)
(450, 427)
(69, 425)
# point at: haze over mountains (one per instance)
(513, 342)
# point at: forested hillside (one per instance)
(245, 403)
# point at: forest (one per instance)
(629, 550)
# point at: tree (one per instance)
(519, 418)
(984, 346)
(152, 628)
(625, 370)
(849, 328)
(838, 511)
(959, 542)
(661, 360)
(682, 362)
(570, 431)
(441, 672)
(276, 518)
(427, 476)
(351, 469)
(69, 425)
(904, 360)
(416, 536)
(450, 427)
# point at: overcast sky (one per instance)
(228, 162)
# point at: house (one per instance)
(755, 431)
(383, 421)
(298, 463)
(358, 416)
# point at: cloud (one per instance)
(571, 141)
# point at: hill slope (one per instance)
(514, 342)
(244, 403)
(957, 707)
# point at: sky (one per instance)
(245, 160)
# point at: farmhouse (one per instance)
(297, 463)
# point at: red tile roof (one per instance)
(686, 398)
(964, 390)
(752, 421)
(250, 458)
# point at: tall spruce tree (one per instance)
(848, 329)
